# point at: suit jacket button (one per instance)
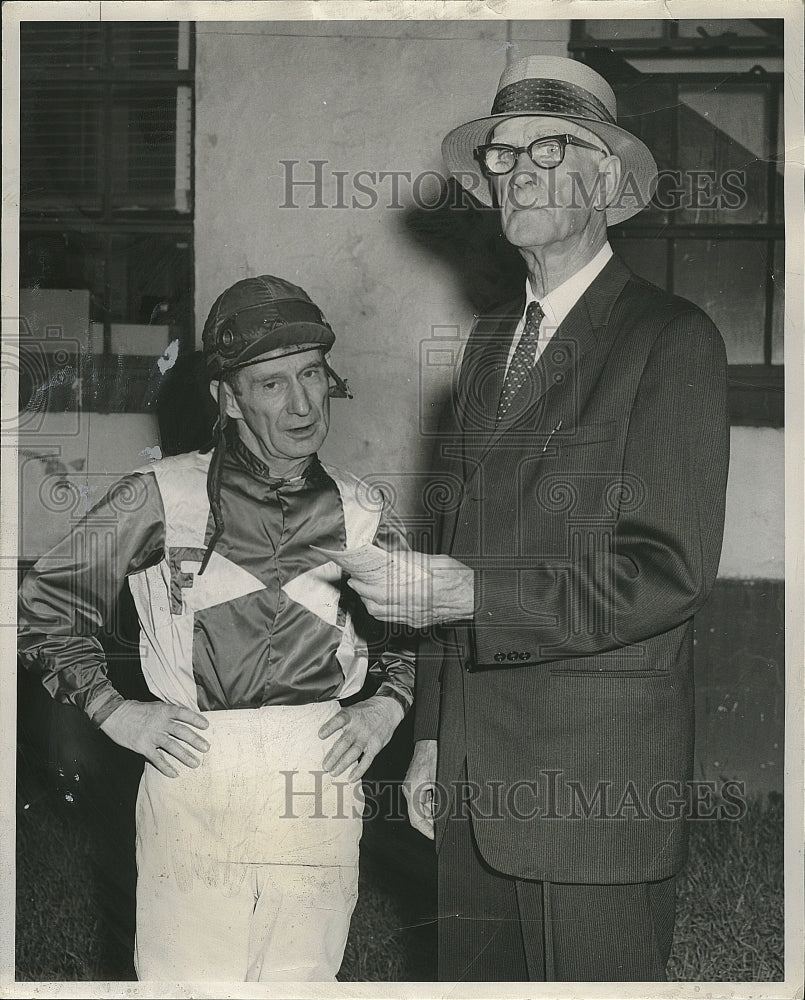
(512, 655)
(525, 655)
(500, 657)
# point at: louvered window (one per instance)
(106, 154)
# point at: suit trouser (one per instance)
(497, 928)
(247, 866)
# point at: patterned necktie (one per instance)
(523, 360)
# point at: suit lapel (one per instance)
(482, 377)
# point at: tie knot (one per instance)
(533, 317)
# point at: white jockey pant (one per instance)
(247, 866)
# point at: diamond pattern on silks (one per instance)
(523, 360)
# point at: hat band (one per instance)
(550, 97)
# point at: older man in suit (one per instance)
(554, 714)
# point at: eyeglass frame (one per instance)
(564, 140)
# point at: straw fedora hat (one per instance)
(559, 88)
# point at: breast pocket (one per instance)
(578, 478)
(579, 435)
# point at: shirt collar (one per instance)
(560, 300)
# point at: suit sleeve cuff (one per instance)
(426, 720)
(508, 630)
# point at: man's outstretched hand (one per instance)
(366, 729)
(418, 590)
(161, 733)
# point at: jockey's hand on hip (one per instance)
(164, 734)
(365, 729)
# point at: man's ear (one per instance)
(232, 409)
(609, 171)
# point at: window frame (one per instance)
(755, 391)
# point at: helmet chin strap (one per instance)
(341, 389)
(214, 474)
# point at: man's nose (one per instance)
(525, 170)
(298, 400)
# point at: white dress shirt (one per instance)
(559, 301)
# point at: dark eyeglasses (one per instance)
(547, 152)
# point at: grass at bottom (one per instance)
(729, 918)
(58, 932)
(393, 931)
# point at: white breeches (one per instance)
(247, 866)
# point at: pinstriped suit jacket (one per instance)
(592, 516)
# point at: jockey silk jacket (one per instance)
(269, 622)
